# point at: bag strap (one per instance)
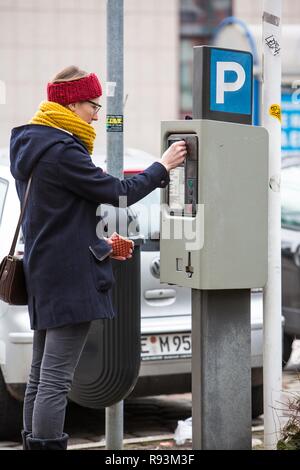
(13, 246)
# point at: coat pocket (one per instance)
(101, 265)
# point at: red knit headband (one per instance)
(85, 88)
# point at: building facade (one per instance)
(39, 38)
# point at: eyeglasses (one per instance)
(96, 106)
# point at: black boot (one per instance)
(24, 435)
(47, 444)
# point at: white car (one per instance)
(165, 324)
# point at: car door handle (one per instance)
(159, 294)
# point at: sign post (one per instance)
(272, 292)
(114, 415)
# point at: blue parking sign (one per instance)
(231, 81)
(223, 84)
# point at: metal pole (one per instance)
(115, 87)
(272, 292)
(114, 426)
(221, 371)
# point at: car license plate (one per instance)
(166, 346)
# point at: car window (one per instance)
(3, 191)
(148, 214)
(290, 197)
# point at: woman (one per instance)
(68, 269)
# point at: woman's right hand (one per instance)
(174, 155)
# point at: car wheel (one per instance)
(287, 348)
(257, 399)
(10, 413)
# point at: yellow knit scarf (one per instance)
(55, 115)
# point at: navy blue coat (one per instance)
(67, 278)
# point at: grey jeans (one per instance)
(56, 352)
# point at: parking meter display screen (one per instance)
(177, 189)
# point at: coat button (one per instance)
(162, 182)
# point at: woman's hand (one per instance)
(119, 258)
(174, 155)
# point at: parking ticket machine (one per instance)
(214, 211)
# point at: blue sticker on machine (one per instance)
(231, 75)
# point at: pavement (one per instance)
(150, 423)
